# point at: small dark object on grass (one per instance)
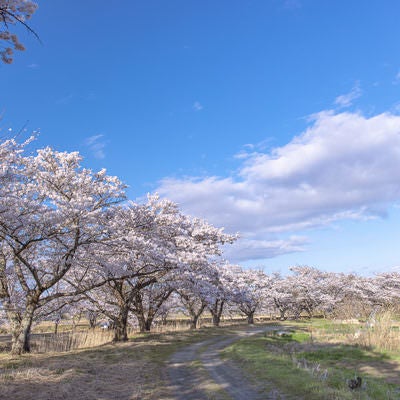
(282, 333)
(355, 383)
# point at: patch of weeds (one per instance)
(59, 371)
(301, 337)
(8, 377)
(313, 368)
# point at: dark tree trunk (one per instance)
(216, 319)
(250, 318)
(193, 321)
(216, 312)
(146, 313)
(149, 322)
(144, 323)
(121, 323)
(195, 315)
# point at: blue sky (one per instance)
(278, 119)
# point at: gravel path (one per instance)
(197, 372)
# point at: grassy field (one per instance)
(314, 360)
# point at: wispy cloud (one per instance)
(197, 106)
(96, 144)
(292, 4)
(344, 166)
(396, 80)
(249, 149)
(33, 66)
(346, 100)
(65, 99)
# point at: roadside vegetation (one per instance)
(318, 359)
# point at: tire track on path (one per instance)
(197, 371)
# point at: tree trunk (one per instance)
(144, 323)
(148, 324)
(92, 317)
(250, 318)
(120, 333)
(282, 313)
(193, 321)
(216, 319)
(21, 331)
(196, 315)
(216, 312)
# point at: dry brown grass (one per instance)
(131, 370)
(67, 341)
(382, 334)
(110, 372)
(125, 371)
(80, 336)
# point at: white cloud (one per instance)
(96, 144)
(247, 248)
(197, 106)
(343, 166)
(346, 100)
(396, 80)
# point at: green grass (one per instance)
(343, 353)
(302, 369)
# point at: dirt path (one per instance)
(197, 372)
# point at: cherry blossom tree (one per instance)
(252, 289)
(137, 256)
(308, 290)
(13, 12)
(221, 290)
(193, 291)
(153, 243)
(386, 287)
(281, 289)
(148, 303)
(337, 288)
(188, 277)
(51, 211)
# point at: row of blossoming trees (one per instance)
(70, 241)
